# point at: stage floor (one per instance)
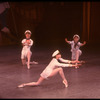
(83, 82)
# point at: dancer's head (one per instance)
(28, 34)
(76, 38)
(56, 54)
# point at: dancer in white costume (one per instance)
(52, 69)
(75, 47)
(26, 52)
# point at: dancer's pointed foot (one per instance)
(21, 86)
(34, 62)
(28, 66)
(77, 67)
(65, 83)
(82, 62)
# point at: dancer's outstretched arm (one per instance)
(82, 44)
(67, 65)
(67, 41)
(69, 61)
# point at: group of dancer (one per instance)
(56, 64)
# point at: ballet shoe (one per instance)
(34, 62)
(82, 62)
(66, 85)
(77, 67)
(21, 86)
(28, 66)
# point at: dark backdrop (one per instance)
(50, 22)
(59, 22)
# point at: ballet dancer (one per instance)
(52, 69)
(26, 52)
(75, 47)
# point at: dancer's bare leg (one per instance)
(28, 58)
(35, 83)
(55, 71)
(77, 58)
(23, 61)
(60, 71)
(77, 55)
(32, 83)
(73, 58)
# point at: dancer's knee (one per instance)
(60, 69)
(29, 53)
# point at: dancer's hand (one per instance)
(77, 65)
(84, 42)
(66, 40)
(79, 62)
(28, 41)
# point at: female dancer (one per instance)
(52, 69)
(26, 52)
(75, 47)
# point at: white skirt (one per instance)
(24, 53)
(74, 53)
(46, 73)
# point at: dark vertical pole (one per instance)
(86, 21)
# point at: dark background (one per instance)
(50, 22)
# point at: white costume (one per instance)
(52, 65)
(74, 50)
(26, 48)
